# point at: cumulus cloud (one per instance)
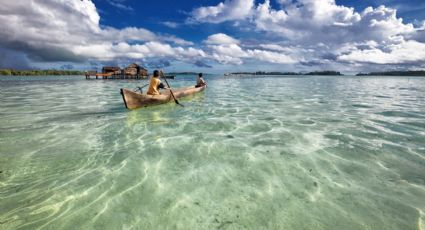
(274, 47)
(220, 39)
(324, 21)
(228, 54)
(61, 30)
(224, 11)
(405, 52)
(305, 32)
(320, 31)
(124, 50)
(270, 56)
(226, 50)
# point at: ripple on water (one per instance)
(306, 122)
(362, 106)
(401, 114)
(275, 153)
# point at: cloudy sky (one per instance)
(214, 35)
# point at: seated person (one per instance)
(200, 81)
(155, 84)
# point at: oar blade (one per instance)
(178, 103)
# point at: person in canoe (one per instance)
(200, 81)
(155, 84)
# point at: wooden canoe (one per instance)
(134, 100)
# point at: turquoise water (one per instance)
(249, 153)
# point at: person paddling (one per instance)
(200, 81)
(155, 84)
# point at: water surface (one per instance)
(249, 153)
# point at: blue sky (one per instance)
(214, 35)
(150, 14)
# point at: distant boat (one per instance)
(169, 77)
(134, 100)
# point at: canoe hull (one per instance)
(133, 100)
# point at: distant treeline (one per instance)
(328, 72)
(11, 72)
(394, 73)
(182, 73)
(333, 73)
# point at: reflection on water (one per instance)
(249, 153)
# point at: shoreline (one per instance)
(9, 72)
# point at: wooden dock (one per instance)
(133, 71)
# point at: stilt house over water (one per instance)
(135, 70)
(111, 70)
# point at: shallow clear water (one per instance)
(248, 153)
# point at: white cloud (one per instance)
(74, 34)
(274, 47)
(119, 4)
(122, 50)
(228, 53)
(226, 50)
(310, 32)
(229, 50)
(173, 25)
(175, 40)
(309, 22)
(224, 11)
(62, 30)
(324, 21)
(127, 34)
(270, 56)
(220, 39)
(405, 52)
(327, 29)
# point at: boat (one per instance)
(134, 100)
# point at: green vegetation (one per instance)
(5, 72)
(330, 73)
(394, 73)
(333, 73)
(11, 72)
(182, 73)
(264, 73)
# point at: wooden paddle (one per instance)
(171, 92)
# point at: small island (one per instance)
(263, 73)
(50, 72)
(394, 73)
(183, 73)
(327, 73)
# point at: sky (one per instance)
(214, 36)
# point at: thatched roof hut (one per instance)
(111, 69)
(135, 69)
